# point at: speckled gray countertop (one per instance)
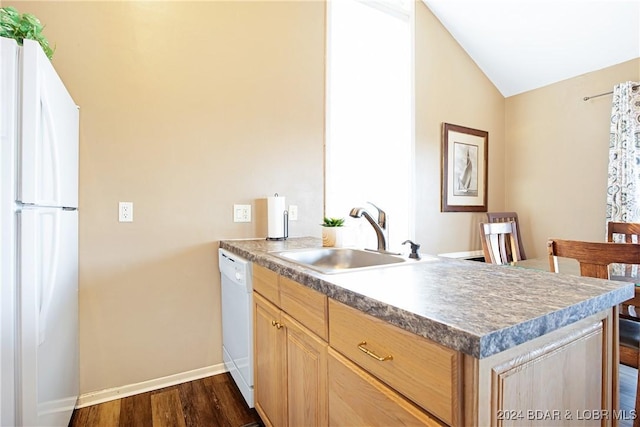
(477, 308)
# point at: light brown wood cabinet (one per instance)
(290, 360)
(319, 362)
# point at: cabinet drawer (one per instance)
(357, 398)
(426, 372)
(265, 282)
(307, 306)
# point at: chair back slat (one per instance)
(499, 242)
(506, 217)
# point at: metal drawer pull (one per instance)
(368, 352)
(278, 325)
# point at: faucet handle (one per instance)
(414, 249)
(382, 217)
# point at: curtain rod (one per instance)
(586, 98)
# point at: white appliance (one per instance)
(237, 320)
(39, 240)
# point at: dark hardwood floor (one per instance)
(216, 401)
(208, 402)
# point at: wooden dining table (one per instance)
(629, 308)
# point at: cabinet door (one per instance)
(270, 363)
(306, 376)
(563, 378)
(535, 384)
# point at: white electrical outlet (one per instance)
(125, 211)
(241, 213)
(293, 213)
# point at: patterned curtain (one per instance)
(623, 190)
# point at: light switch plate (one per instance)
(241, 213)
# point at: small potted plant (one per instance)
(17, 26)
(332, 232)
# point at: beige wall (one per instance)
(186, 109)
(557, 157)
(451, 88)
(189, 107)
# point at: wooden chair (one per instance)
(629, 230)
(594, 259)
(500, 242)
(505, 217)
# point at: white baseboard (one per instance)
(95, 397)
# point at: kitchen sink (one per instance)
(336, 260)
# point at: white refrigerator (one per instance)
(39, 240)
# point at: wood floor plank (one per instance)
(104, 414)
(198, 405)
(230, 401)
(135, 411)
(166, 409)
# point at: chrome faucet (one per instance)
(380, 226)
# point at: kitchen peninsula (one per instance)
(436, 341)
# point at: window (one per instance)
(370, 115)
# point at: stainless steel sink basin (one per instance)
(336, 260)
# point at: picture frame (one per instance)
(465, 153)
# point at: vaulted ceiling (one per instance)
(526, 44)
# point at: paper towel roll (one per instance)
(275, 218)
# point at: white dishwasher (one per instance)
(237, 320)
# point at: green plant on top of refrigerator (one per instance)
(20, 26)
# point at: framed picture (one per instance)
(464, 169)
